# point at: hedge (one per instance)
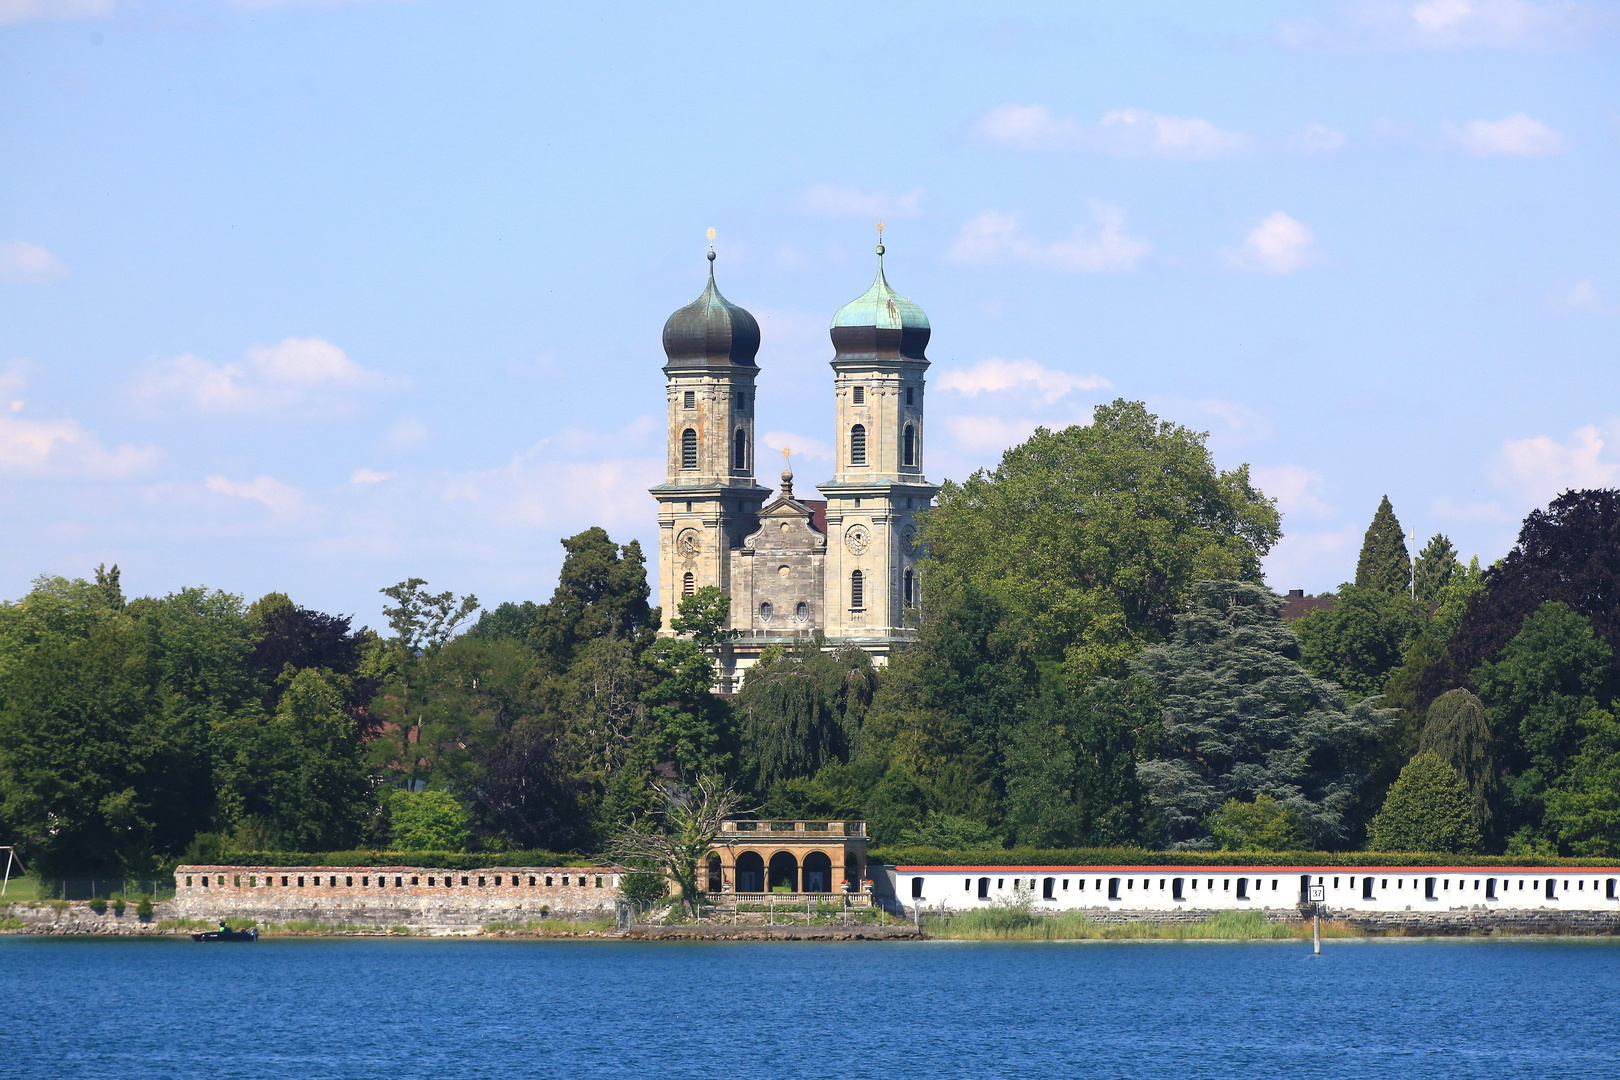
(919, 856)
(432, 860)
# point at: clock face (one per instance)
(857, 539)
(688, 543)
(908, 536)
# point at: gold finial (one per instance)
(711, 248)
(787, 451)
(880, 239)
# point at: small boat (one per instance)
(225, 933)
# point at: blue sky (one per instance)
(316, 296)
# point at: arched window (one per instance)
(910, 441)
(910, 596)
(739, 451)
(688, 585)
(802, 612)
(857, 445)
(857, 590)
(689, 449)
(765, 612)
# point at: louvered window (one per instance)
(857, 445)
(857, 590)
(910, 441)
(740, 450)
(859, 394)
(688, 585)
(689, 449)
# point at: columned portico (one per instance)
(794, 857)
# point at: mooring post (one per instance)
(1316, 929)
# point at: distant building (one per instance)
(1296, 605)
(842, 565)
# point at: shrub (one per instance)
(144, 908)
(118, 906)
(427, 821)
(1263, 825)
(1429, 809)
(98, 905)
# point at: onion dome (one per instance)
(880, 324)
(711, 331)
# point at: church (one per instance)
(842, 565)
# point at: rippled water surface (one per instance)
(566, 1010)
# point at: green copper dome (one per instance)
(880, 324)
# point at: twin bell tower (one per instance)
(839, 566)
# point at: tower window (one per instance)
(857, 445)
(802, 612)
(689, 449)
(739, 451)
(742, 401)
(859, 395)
(688, 584)
(857, 590)
(910, 440)
(690, 400)
(908, 588)
(910, 399)
(765, 612)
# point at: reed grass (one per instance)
(1011, 923)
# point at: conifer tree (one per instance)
(1458, 732)
(1384, 563)
(1436, 564)
(1428, 809)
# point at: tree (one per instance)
(523, 796)
(1583, 810)
(1436, 565)
(1091, 537)
(1569, 552)
(1539, 689)
(1242, 718)
(690, 724)
(288, 636)
(1429, 809)
(1360, 639)
(678, 838)
(1384, 563)
(801, 708)
(427, 821)
(601, 593)
(1262, 825)
(424, 620)
(1459, 733)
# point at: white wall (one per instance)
(1152, 888)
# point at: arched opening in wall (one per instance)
(689, 449)
(716, 878)
(857, 445)
(1490, 888)
(739, 450)
(909, 441)
(1367, 887)
(984, 888)
(1428, 888)
(1113, 888)
(909, 588)
(802, 612)
(1048, 888)
(1550, 893)
(818, 873)
(857, 590)
(784, 873)
(916, 886)
(1304, 888)
(688, 584)
(1243, 888)
(1175, 888)
(750, 872)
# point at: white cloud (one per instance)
(1278, 245)
(530, 494)
(282, 500)
(803, 446)
(404, 434)
(1314, 561)
(1512, 136)
(369, 476)
(1241, 421)
(62, 448)
(830, 200)
(294, 373)
(1539, 468)
(992, 433)
(997, 375)
(21, 11)
(13, 377)
(1526, 25)
(22, 263)
(1129, 133)
(1294, 487)
(1101, 247)
(1583, 296)
(1316, 139)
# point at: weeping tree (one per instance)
(1459, 733)
(802, 708)
(677, 838)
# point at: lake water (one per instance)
(588, 1010)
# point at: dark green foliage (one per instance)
(1434, 568)
(509, 620)
(644, 885)
(691, 727)
(1091, 537)
(1459, 733)
(1384, 563)
(1071, 767)
(1262, 825)
(1583, 810)
(1361, 639)
(1242, 718)
(437, 860)
(601, 593)
(1569, 552)
(424, 620)
(895, 855)
(802, 708)
(837, 792)
(1429, 809)
(1539, 690)
(950, 832)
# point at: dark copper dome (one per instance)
(711, 331)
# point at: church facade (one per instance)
(841, 566)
